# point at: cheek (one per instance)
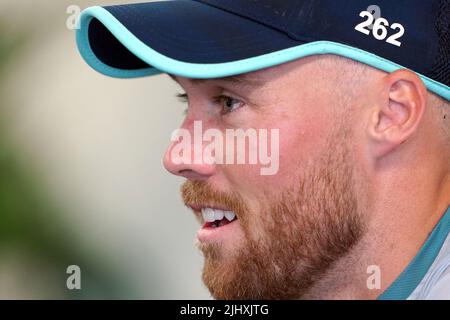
(301, 142)
(299, 145)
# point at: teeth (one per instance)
(211, 215)
(208, 215)
(230, 215)
(218, 214)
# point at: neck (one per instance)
(400, 216)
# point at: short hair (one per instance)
(441, 109)
(352, 72)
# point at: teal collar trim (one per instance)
(410, 278)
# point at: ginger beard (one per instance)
(294, 238)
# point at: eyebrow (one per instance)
(242, 80)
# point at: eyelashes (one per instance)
(226, 103)
(183, 97)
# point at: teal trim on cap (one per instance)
(164, 64)
(410, 278)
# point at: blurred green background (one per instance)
(81, 179)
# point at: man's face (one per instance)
(290, 226)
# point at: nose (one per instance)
(184, 156)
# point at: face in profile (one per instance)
(273, 236)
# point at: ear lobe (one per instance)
(399, 111)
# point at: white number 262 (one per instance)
(380, 28)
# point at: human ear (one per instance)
(398, 111)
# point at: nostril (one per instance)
(192, 175)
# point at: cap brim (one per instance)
(186, 38)
(195, 40)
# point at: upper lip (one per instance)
(199, 207)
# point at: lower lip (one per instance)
(209, 233)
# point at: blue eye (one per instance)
(228, 104)
(183, 97)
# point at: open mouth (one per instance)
(217, 224)
(216, 218)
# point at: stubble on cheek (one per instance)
(293, 239)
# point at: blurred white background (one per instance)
(96, 145)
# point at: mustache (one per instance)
(200, 194)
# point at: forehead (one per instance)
(309, 71)
(248, 79)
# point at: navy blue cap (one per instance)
(218, 38)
